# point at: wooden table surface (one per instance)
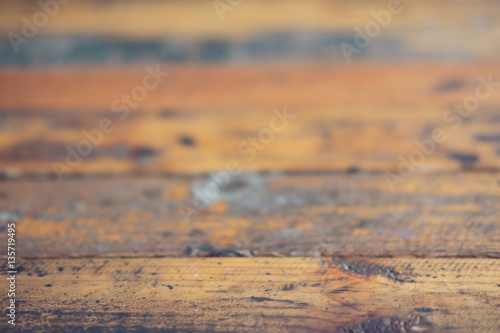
(199, 166)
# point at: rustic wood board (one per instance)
(109, 19)
(447, 30)
(258, 215)
(344, 122)
(417, 89)
(259, 294)
(311, 237)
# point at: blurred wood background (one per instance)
(329, 226)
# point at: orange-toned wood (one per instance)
(412, 89)
(449, 215)
(154, 18)
(200, 118)
(259, 294)
(324, 242)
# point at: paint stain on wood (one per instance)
(488, 137)
(186, 140)
(467, 160)
(389, 325)
(449, 85)
(367, 268)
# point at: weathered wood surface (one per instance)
(184, 126)
(259, 294)
(417, 88)
(258, 215)
(354, 256)
(181, 30)
(118, 18)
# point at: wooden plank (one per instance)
(202, 143)
(414, 88)
(90, 32)
(344, 122)
(155, 18)
(294, 46)
(258, 294)
(324, 243)
(445, 215)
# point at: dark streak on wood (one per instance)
(488, 137)
(467, 160)
(367, 268)
(389, 325)
(450, 85)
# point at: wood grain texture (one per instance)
(411, 88)
(310, 237)
(342, 119)
(445, 215)
(155, 18)
(259, 294)
(91, 32)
